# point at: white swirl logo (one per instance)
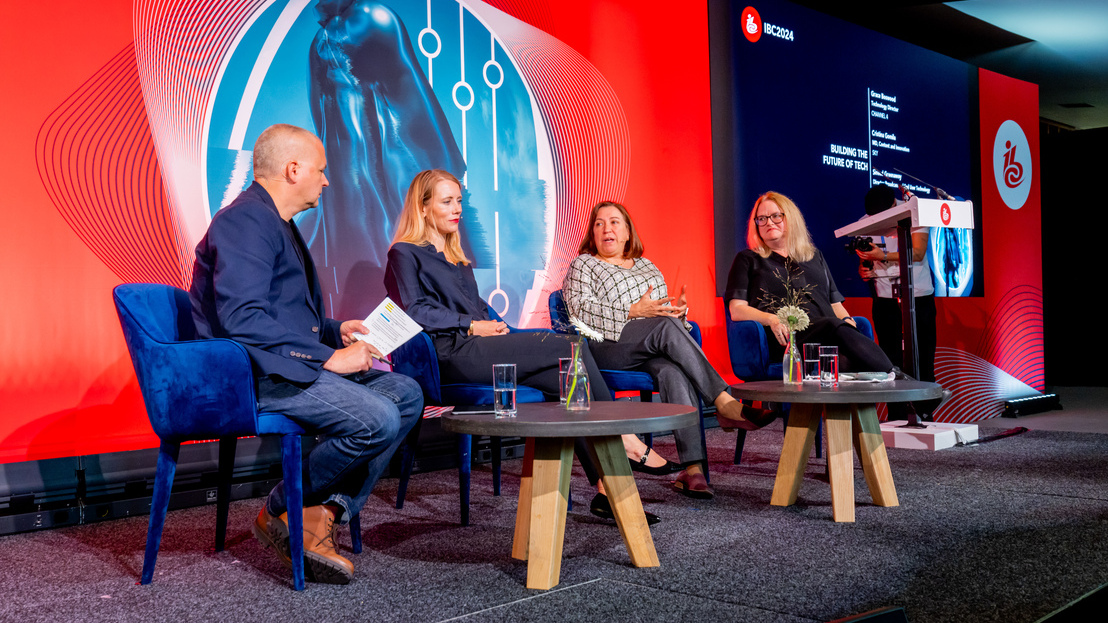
(1012, 164)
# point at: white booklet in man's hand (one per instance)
(389, 327)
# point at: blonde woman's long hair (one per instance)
(798, 242)
(413, 225)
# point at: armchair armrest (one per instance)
(218, 389)
(417, 358)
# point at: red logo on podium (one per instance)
(752, 24)
(944, 214)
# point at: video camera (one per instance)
(862, 243)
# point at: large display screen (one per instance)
(821, 110)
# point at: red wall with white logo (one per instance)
(991, 348)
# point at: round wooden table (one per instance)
(850, 419)
(544, 486)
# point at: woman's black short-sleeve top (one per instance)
(757, 280)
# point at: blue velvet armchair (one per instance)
(198, 389)
(417, 358)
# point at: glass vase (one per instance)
(577, 382)
(791, 364)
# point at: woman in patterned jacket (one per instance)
(619, 299)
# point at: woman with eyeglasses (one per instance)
(780, 247)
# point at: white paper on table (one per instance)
(389, 327)
(852, 378)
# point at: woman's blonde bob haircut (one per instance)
(798, 242)
(633, 249)
(413, 226)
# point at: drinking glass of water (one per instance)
(504, 389)
(829, 366)
(811, 362)
(564, 364)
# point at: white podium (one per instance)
(901, 219)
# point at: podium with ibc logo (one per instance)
(899, 221)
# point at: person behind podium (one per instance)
(619, 299)
(779, 246)
(883, 274)
(429, 276)
(254, 282)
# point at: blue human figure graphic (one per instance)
(380, 124)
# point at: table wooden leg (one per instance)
(553, 458)
(875, 461)
(799, 436)
(840, 460)
(619, 486)
(523, 509)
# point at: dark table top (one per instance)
(550, 419)
(849, 392)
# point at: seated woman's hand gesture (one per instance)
(647, 307)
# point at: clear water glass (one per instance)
(811, 362)
(504, 389)
(829, 366)
(563, 374)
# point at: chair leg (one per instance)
(407, 461)
(740, 441)
(497, 449)
(647, 396)
(159, 504)
(356, 533)
(465, 451)
(226, 468)
(292, 463)
(703, 440)
(819, 440)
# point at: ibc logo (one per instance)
(1012, 164)
(753, 27)
(751, 24)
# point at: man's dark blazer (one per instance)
(254, 282)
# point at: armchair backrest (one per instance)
(559, 314)
(748, 349)
(193, 389)
(559, 317)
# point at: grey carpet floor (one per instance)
(1003, 531)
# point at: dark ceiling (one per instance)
(1061, 45)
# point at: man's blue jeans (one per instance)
(360, 420)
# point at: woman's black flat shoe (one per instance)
(602, 508)
(662, 470)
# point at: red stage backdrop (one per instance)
(104, 129)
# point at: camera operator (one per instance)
(880, 267)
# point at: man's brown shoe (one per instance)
(273, 532)
(322, 563)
